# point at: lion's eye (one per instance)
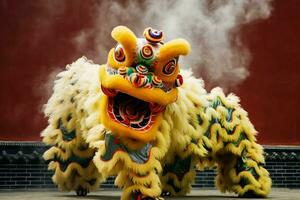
(147, 52)
(170, 67)
(119, 54)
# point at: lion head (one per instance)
(139, 80)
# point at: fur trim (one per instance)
(210, 128)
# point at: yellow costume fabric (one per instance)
(92, 137)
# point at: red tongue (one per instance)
(156, 108)
(109, 92)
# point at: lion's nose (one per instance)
(141, 69)
(139, 80)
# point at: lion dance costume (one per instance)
(135, 119)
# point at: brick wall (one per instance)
(22, 167)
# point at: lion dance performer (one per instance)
(135, 118)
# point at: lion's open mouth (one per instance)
(130, 111)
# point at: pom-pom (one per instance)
(142, 69)
(178, 81)
(122, 71)
(157, 82)
(138, 80)
(152, 35)
(147, 52)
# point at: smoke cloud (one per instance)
(212, 27)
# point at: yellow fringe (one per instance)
(182, 132)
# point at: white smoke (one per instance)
(44, 85)
(212, 27)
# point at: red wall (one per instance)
(30, 50)
(271, 93)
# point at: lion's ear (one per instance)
(125, 37)
(168, 56)
(173, 49)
